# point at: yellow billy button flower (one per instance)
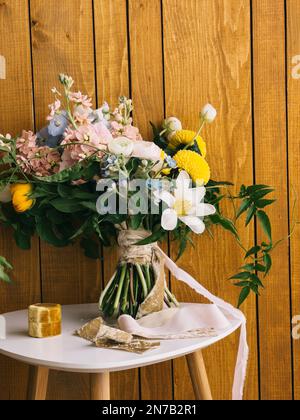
(185, 138)
(194, 164)
(20, 197)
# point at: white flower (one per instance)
(185, 205)
(172, 125)
(147, 150)
(209, 113)
(121, 146)
(5, 194)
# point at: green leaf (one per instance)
(4, 263)
(242, 284)
(253, 188)
(256, 280)
(66, 206)
(243, 296)
(250, 214)
(69, 174)
(268, 263)
(89, 205)
(253, 251)
(48, 233)
(22, 240)
(244, 207)
(155, 237)
(241, 276)
(91, 248)
(265, 222)
(227, 224)
(4, 276)
(136, 221)
(261, 204)
(260, 194)
(254, 288)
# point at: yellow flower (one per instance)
(20, 197)
(194, 164)
(185, 137)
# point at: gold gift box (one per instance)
(44, 320)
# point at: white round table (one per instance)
(73, 354)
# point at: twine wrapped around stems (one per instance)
(131, 253)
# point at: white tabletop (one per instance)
(71, 353)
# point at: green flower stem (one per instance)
(148, 277)
(120, 287)
(125, 302)
(171, 297)
(143, 281)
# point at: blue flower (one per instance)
(154, 184)
(45, 139)
(58, 125)
(171, 162)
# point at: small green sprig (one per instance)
(259, 260)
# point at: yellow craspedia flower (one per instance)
(194, 164)
(20, 197)
(185, 137)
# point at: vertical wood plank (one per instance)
(293, 37)
(148, 95)
(271, 168)
(208, 59)
(15, 115)
(62, 39)
(111, 45)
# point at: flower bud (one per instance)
(209, 113)
(172, 124)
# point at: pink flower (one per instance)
(83, 143)
(81, 99)
(41, 161)
(54, 109)
(103, 133)
(129, 131)
(26, 142)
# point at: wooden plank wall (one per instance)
(171, 57)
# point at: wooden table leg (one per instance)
(37, 383)
(199, 376)
(100, 386)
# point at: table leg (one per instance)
(100, 386)
(199, 376)
(37, 383)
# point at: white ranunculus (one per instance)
(5, 195)
(147, 150)
(186, 204)
(209, 113)
(172, 124)
(121, 146)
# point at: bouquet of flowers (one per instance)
(89, 176)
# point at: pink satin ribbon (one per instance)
(243, 352)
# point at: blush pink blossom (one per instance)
(81, 99)
(129, 131)
(54, 109)
(83, 143)
(41, 161)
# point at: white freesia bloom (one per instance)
(5, 195)
(209, 113)
(121, 146)
(186, 204)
